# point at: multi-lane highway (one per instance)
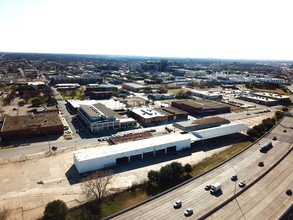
(245, 165)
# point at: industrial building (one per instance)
(98, 118)
(259, 100)
(282, 99)
(148, 116)
(27, 126)
(206, 94)
(102, 157)
(134, 87)
(202, 107)
(193, 125)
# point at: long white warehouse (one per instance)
(101, 157)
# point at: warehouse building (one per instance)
(203, 107)
(212, 95)
(102, 157)
(259, 100)
(193, 125)
(134, 87)
(219, 131)
(27, 126)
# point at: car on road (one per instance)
(207, 187)
(153, 130)
(274, 138)
(261, 164)
(188, 212)
(65, 127)
(14, 109)
(242, 184)
(177, 204)
(234, 178)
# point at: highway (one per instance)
(193, 194)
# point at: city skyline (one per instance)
(196, 29)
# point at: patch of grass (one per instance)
(73, 94)
(220, 157)
(278, 91)
(123, 201)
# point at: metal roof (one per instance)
(99, 152)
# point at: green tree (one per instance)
(51, 101)
(37, 102)
(187, 168)
(153, 176)
(56, 209)
(182, 94)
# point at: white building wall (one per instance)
(110, 160)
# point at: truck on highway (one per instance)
(265, 148)
(215, 187)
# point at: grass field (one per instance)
(278, 91)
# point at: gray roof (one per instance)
(105, 110)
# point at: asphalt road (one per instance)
(266, 199)
(193, 194)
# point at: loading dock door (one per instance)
(122, 160)
(171, 149)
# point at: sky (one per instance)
(227, 29)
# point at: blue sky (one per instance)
(250, 29)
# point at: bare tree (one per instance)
(4, 213)
(95, 186)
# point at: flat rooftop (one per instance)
(111, 103)
(204, 121)
(272, 95)
(99, 152)
(14, 123)
(146, 112)
(135, 85)
(170, 111)
(203, 104)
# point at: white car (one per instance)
(177, 204)
(241, 184)
(188, 212)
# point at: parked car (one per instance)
(274, 138)
(177, 204)
(188, 212)
(153, 130)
